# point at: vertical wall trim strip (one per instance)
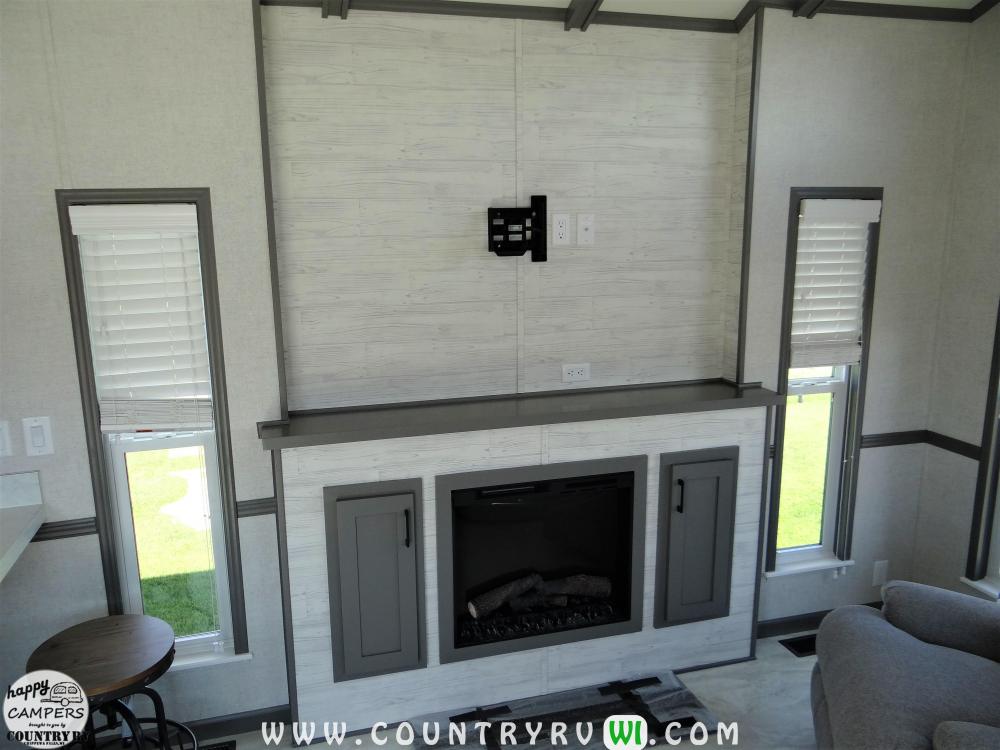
(220, 404)
(272, 241)
(741, 334)
(783, 357)
(987, 479)
(91, 414)
(283, 577)
(758, 581)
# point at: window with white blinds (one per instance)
(145, 310)
(831, 259)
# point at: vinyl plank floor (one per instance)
(768, 698)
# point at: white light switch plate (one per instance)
(6, 449)
(585, 229)
(880, 572)
(37, 436)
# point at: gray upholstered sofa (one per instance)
(922, 673)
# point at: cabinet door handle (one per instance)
(680, 506)
(406, 521)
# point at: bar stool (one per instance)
(112, 658)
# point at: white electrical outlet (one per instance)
(576, 373)
(880, 573)
(560, 229)
(585, 229)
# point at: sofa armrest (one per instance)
(945, 618)
(964, 735)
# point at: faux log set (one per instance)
(532, 591)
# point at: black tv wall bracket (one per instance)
(516, 231)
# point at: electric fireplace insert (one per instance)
(540, 555)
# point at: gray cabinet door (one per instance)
(376, 554)
(695, 555)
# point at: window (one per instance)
(828, 283)
(139, 271)
(815, 419)
(167, 488)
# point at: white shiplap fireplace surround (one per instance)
(444, 687)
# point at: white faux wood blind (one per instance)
(145, 309)
(827, 307)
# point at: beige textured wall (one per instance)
(861, 102)
(393, 133)
(969, 292)
(116, 93)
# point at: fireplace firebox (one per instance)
(539, 555)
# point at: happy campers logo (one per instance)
(45, 709)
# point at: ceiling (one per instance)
(727, 9)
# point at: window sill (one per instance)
(192, 661)
(808, 566)
(989, 586)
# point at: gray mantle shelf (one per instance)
(360, 423)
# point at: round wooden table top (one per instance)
(109, 656)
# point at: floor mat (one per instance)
(660, 699)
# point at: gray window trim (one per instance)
(988, 476)
(857, 377)
(103, 502)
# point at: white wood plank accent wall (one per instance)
(522, 674)
(391, 134)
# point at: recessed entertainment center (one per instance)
(554, 534)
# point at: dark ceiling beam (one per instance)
(982, 7)
(718, 25)
(744, 16)
(336, 7)
(651, 21)
(912, 12)
(809, 8)
(453, 8)
(580, 13)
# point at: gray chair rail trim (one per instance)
(65, 529)
(930, 437)
(72, 527)
(262, 506)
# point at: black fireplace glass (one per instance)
(557, 533)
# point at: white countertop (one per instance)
(21, 515)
